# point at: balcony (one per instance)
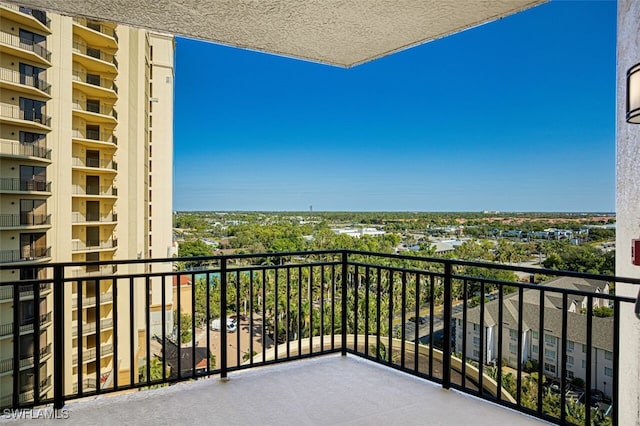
(35, 254)
(90, 355)
(12, 44)
(24, 221)
(33, 119)
(27, 16)
(94, 59)
(383, 313)
(30, 151)
(28, 396)
(89, 302)
(93, 271)
(96, 113)
(14, 80)
(95, 164)
(26, 186)
(95, 86)
(26, 291)
(94, 191)
(80, 218)
(6, 365)
(93, 245)
(95, 139)
(90, 327)
(96, 33)
(8, 329)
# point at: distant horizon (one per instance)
(489, 212)
(517, 114)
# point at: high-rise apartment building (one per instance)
(86, 115)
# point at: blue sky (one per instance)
(515, 115)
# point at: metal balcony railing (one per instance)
(26, 290)
(95, 80)
(15, 112)
(423, 316)
(25, 44)
(95, 190)
(84, 245)
(24, 219)
(95, 53)
(9, 147)
(95, 136)
(24, 254)
(105, 297)
(97, 26)
(95, 163)
(77, 217)
(16, 77)
(97, 109)
(24, 185)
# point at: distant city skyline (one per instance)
(515, 115)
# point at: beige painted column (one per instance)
(628, 211)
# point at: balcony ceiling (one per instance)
(337, 32)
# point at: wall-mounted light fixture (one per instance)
(633, 94)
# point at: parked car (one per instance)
(232, 325)
(420, 320)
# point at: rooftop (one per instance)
(318, 391)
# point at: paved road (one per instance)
(423, 329)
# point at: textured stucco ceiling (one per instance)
(337, 32)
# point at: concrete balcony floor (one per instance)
(327, 390)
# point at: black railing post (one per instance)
(343, 299)
(58, 336)
(446, 350)
(223, 318)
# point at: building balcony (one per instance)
(26, 151)
(93, 271)
(95, 139)
(8, 330)
(96, 33)
(94, 191)
(95, 164)
(33, 119)
(27, 291)
(90, 302)
(24, 221)
(35, 254)
(27, 396)
(30, 17)
(90, 355)
(90, 327)
(93, 245)
(24, 186)
(95, 86)
(94, 59)
(11, 44)
(389, 316)
(22, 83)
(7, 366)
(99, 114)
(78, 218)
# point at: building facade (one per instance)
(542, 342)
(86, 112)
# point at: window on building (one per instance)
(584, 363)
(534, 349)
(476, 341)
(584, 349)
(31, 75)
(476, 354)
(608, 355)
(513, 348)
(32, 110)
(551, 368)
(33, 212)
(570, 360)
(513, 334)
(569, 346)
(534, 334)
(608, 372)
(93, 105)
(570, 374)
(476, 327)
(549, 354)
(549, 339)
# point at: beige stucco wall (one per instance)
(628, 211)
